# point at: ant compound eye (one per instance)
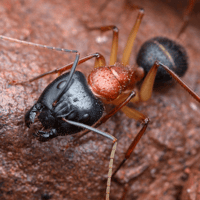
(61, 84)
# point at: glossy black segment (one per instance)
(165, 51)
(77, 103)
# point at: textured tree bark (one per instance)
(60, 169)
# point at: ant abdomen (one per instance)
(165, 51)
(109, 82)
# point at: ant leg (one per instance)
(100, 61)
(186, 17)
(115, 110)
(131, 38)
(112, 152)
(73, 68)
(145, 94)
(132, 113)
(113, 55)
(110, 114)
(147, 85)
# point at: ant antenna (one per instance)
(70, 76)
(109, 136)
(36, 45)
(50, 48)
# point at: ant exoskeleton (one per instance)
(69, 104)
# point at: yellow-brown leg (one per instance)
(131, 38)
(114, 48)
(144, 95)
(99, 61)
(147, 85)
(130, 113)
(119, 106)
(145, 120)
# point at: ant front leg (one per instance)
(99, 61)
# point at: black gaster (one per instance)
(165, 51)
(78, 103)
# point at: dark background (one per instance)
(165, 163)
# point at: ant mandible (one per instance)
(69, 104)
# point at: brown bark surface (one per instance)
(166, 162)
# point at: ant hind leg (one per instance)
(147, 85)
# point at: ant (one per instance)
(70, 104)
